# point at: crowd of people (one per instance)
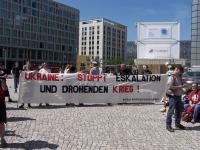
(173, 99)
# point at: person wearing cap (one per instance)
(175, 84)
(95, 69)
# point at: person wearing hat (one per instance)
(175, 84)
(95, 69)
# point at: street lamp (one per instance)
(5, 57)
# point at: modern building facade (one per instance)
(102, 38)
(38, 30)
(131, 50)
(195, 45)
(185, 50)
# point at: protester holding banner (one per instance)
(124, 70)
(71, 70)
(95, 69)
(134, 70)
(67, 69)
(3, 75)
(26, 67)
(16, 73)
(3, 117)
(44, 70)
(175, 84)
(145, 70)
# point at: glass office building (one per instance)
(38, 30)
(195, 44)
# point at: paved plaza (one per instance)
(118, 127)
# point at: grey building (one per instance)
(185, 50)
(38, 30)
(195, 45)
(131, 50)
(102, 38)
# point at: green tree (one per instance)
(131, 62)
(115, 61)
(97, 59)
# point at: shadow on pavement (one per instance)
(12, 108)
(16, 119)
(12, 133)
(48, 107)
(196, 128)
(30, 145)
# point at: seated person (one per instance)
(194, 101)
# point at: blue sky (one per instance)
(128, 12)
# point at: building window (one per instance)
(39, 55)
(34, 3)
(33, 54)
(21, 53)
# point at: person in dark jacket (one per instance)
(124, 70)
(145, 70)
(16, 73)
(3, 117)
(3, 75)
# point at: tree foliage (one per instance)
(115, 61)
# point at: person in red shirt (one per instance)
(194, 100)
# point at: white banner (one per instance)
(85, 88)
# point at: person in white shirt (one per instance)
(44, 70)
(67, 69)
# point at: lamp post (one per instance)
(5, 58)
